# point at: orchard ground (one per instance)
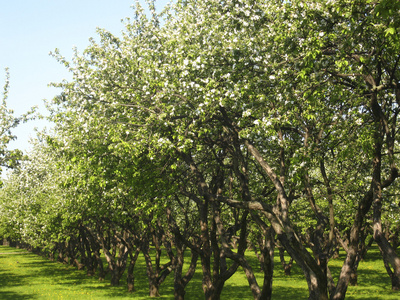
(25, 275)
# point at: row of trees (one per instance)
(219, 125)
(9, 158)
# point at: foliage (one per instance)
(9, 158)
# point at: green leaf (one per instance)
(390, 30)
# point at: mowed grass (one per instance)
(24, 275)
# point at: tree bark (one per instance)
(287, 267)
(315, 276)
(130, 278)
(388, 253)
(353, 249)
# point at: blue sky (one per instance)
(29, 30)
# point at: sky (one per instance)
(30, 30)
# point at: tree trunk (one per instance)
(96, 253)
(181, 243)
(89, 261)
(390, 257)
(388, 253)
(153, 289)
(156, 274)
(353, 272)
(287, 267)
(268, 254)
(101, 272)
(348, 265)
(130, 278)
(116, 263)
(179, 288)
(315, 276)
(180, 282)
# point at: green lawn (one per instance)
(24, 275)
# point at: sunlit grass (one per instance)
(24, 275)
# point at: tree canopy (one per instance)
(9, 158)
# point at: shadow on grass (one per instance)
(373, 280)
(7, 278)
(10, 279)
(66, 276)
(14, 296)
(56, 271)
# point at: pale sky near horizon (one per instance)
(29, 30)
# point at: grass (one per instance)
(24, 275)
